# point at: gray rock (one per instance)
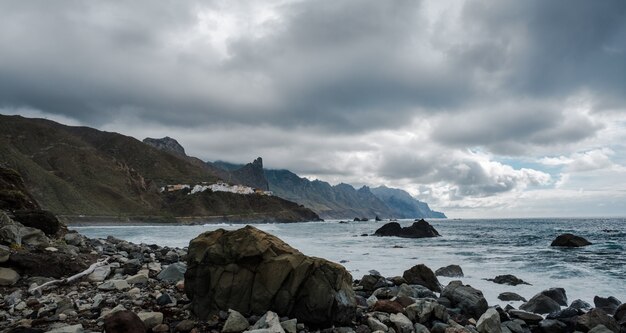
(509, 279)
(269, 321)
(419, 328)
(450, 271)
(609, 304)
(12, 232)
(424, 310)
(422, 275)
(173, 273)
(489, 322)
(151, 319)
(235, 322)
(137, 279)
(74, 238)
(401, 323)
(185, 326)
(68, 329)
(541, 303)
(580, 305)
(527, 317)
(557, 294)
(290, 326)
(514, 325)
(594, 318)
(600, 329)
(509, 296)
(5, 252)
(471, 301)
(415, 291)
(8, 277)
(99, 274)
(552, 326)
(114, 285)
(376, 325)
(620, 314)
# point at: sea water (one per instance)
(483, 248)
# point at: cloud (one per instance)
(591, 160)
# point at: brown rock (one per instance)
(253, 272)
(594, 318)
(388, 306)
(123, 322)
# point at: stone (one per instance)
(470, 300)
(609, 304)
(8, 276)
(132, 266)
(594, 318)
(600, 329)
(161, 328)
(99, 274)
(5, 251)
(235, 322)
(401, 323)
(165, 299)
(173, 272)
(376, 325)
(371, 282)
(251, 271)
(290, 326)
(450, 271)
(151, 319)
(124, 321)
(489, 322)
(419, 328)
(509, 279)
(269, 321)
(185, 326)
(13, 232)
(415, 291)
(39, 219)
(557, 294)
(541, 304)
(528, 317)
(137, 279)
(114, 285)
(509, 296)
(570, 240)
(68, 329)
(565, 313)
(552, 326)
(74, 238)
(388, 306)
(422, 275)
(424, 310)
(620, 314)
(419, 229)
(60, 265)
(580, 304)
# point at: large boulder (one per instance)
(570, 240)
(253, 272)
(419, 229)
(471, 301)
(423, 276)
(14, 233)
(39, 219)
(450, 271)
(541, 304)
(609, 304)
(594, 318)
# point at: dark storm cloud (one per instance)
(339, 67)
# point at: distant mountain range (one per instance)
(82, 171)
(340, 201)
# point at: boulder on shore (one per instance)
(419, 229)
(470, 300)
(450, 271)
(570, 240)
(253, 272)
(423, 276)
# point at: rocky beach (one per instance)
(249, 280)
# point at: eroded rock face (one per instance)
(251, 271)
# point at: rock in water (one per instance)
(450, 271)
(422, 275)
(510, 296)
(570, 240)
(509, 279)
(419, 229)
(251, 271)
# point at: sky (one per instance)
(480, 108)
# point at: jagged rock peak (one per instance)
(258, 162)
(166, 144)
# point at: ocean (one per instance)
(483, 248)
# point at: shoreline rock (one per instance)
(419, 229)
